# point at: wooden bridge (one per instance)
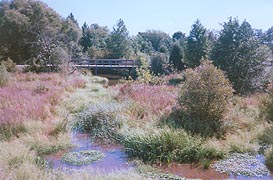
(104, 63)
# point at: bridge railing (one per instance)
(106, 62)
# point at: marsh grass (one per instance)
(45, 145)
(168, 146)
(9, 130)
(101, 120)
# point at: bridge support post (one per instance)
(96, 70)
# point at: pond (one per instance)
(114, 157)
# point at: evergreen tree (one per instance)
(196, 47)
(176, 57)
(119, 43)
(237, 53)
(268, 38)
(85, 41)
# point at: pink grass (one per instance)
(33, 96)
(154, 99)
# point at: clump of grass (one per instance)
(266, 137)
(100, 120)
(9, 130)
(205, 163)
(99, 80)
(168, 146)
(44, 145)
(269, 160)
(60, 127)
(82, 157)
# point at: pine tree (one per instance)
(196, 47)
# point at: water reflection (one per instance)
(115, 158)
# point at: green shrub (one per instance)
(100, 120)
(10, 65)
(266, 137)
(158, 64)
(269, 160)
(266, 105)
(143, 73)
(168, 146)
(203, 99)
(4, 75)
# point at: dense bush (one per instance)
(266, 105)
(100, 120)
(168, 146)
(159, 64)
(203, 98)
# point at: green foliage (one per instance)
(4, 75)
(266, 137)
(94, 40)
(100, 120)
(177, 57)
(268, 38)
(158, 64)
(119, 43)
(143, 72)
(167, 146)
(153, 41)
(196, 47)
(82, 157)
(205, 164)
(266, 106)
(178, 36)
(236, 53)
(9, 64)
(203, 98)
(269, 160)
(33, 30)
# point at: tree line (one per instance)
(33, 33)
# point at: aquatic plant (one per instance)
(82, 157)
(242, 164)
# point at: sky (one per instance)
(166, 15)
